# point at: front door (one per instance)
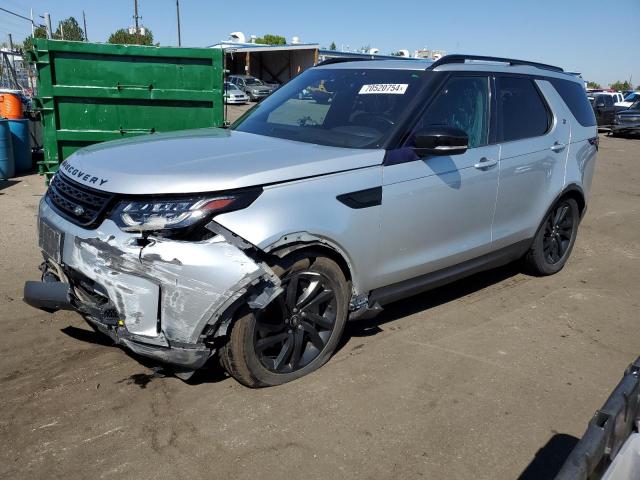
(437, 210)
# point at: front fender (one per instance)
(307, 211)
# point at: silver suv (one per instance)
(255, 244)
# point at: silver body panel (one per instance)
(206, 160)
(435, 213)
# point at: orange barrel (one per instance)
(10, 104)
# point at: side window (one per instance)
(575, 96)
(608, 101)
(462, 103)
(522, 112)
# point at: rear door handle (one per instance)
(558, 147)
(485, 163)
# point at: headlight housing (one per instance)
(168, 216)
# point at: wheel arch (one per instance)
(576, 192)
(299, 242)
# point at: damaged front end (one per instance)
(163, 298)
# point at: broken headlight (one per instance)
(173, 214)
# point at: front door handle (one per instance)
(558, 147)
(485, 163)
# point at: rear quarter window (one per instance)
(576, 99)
(522, 113)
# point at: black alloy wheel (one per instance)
(554, 240)
(295, 332)
(558, 232)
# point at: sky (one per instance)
(579, 35)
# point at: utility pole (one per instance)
(84, 21)
(10, 43)
(135, 19)
(33, 25)
(178, 17)
(61, 29)
(47, 21)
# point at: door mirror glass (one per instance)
(440, 140)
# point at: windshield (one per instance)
(252, 81)
(631, 97)
(635, 106)
(230, 86)
(351, 108)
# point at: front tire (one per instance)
(297, 332)
(554, 240)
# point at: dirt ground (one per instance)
(493, 377)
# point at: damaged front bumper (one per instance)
(160, 298)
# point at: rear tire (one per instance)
(297, 332)
(554, 239)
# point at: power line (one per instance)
(17, 15)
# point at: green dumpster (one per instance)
(91, 92)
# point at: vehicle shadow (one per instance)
(548, 461)
(6, 184)
(426, 301)
(213, 372)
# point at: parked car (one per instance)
(255, 244)
(233, 95)
(256, 89)
(604, 109)
(627, 121)
(629, 100)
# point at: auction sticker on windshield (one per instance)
(388, 88)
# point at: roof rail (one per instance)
(329, 61)
(460, 58)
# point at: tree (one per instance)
(123, 36)
(620, 86)
(270, 39)
(594, 85)
(70, 30)
(39, 32)
(333, 46)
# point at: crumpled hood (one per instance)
(206, 160)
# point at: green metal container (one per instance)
(90, 92)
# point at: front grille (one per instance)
(629, 119)
(79, 204)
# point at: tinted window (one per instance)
(462, 103)
(521, 110)
(576, 99)
(608, 101)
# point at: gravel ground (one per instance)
(492, 377)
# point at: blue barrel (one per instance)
(7, 167)
(21, 146)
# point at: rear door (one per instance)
(533, 130)
(437, 210)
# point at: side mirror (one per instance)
(440, 140)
